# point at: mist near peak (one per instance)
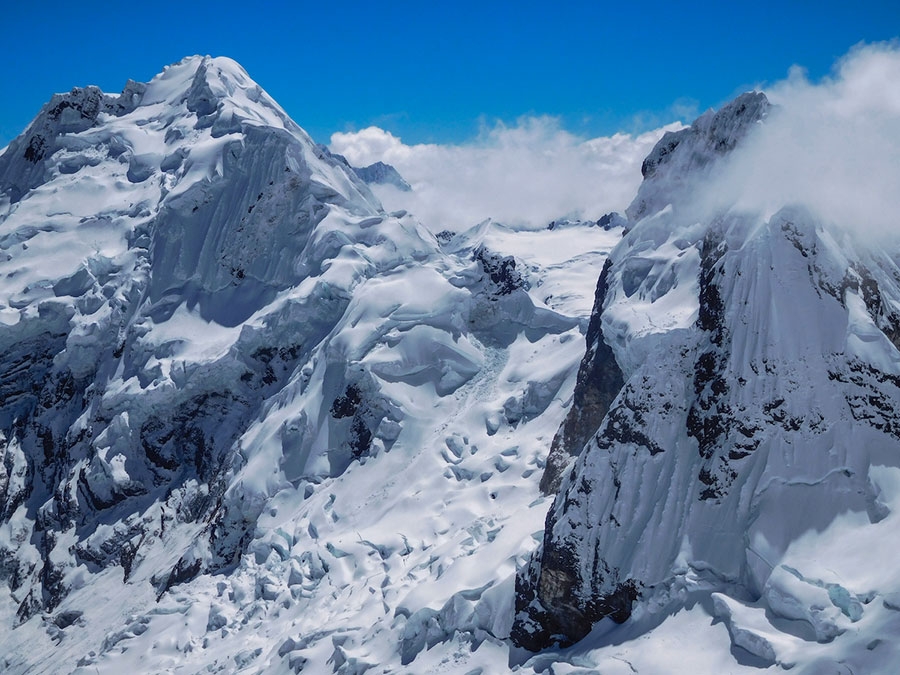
(524, 175)
(831, 146)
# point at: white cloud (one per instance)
(832, 146)
(527, 174)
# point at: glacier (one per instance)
(253, 422)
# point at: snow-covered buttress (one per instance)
(761, 371)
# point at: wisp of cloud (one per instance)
(832, 147)
(523, 175)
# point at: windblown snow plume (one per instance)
(528, 174)
(831, 146)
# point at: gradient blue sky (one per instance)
(439, 71)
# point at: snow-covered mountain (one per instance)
(252, 422)
(382, 174)
(739, 404)
(233, 386)
(377, 173)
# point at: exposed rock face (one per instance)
(759, 387)
(599, 382)
(501, 270)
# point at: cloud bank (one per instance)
(831, 146)
(523, 175)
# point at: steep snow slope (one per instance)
(249, 419)
(176, 218)
(756, 419)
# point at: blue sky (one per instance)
(438, 72)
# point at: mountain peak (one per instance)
(219, 92)
(200, 147)
(685, 155)
(198, 92)
(380, 173)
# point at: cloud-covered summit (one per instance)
(831, 146)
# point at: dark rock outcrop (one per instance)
(599, 382)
